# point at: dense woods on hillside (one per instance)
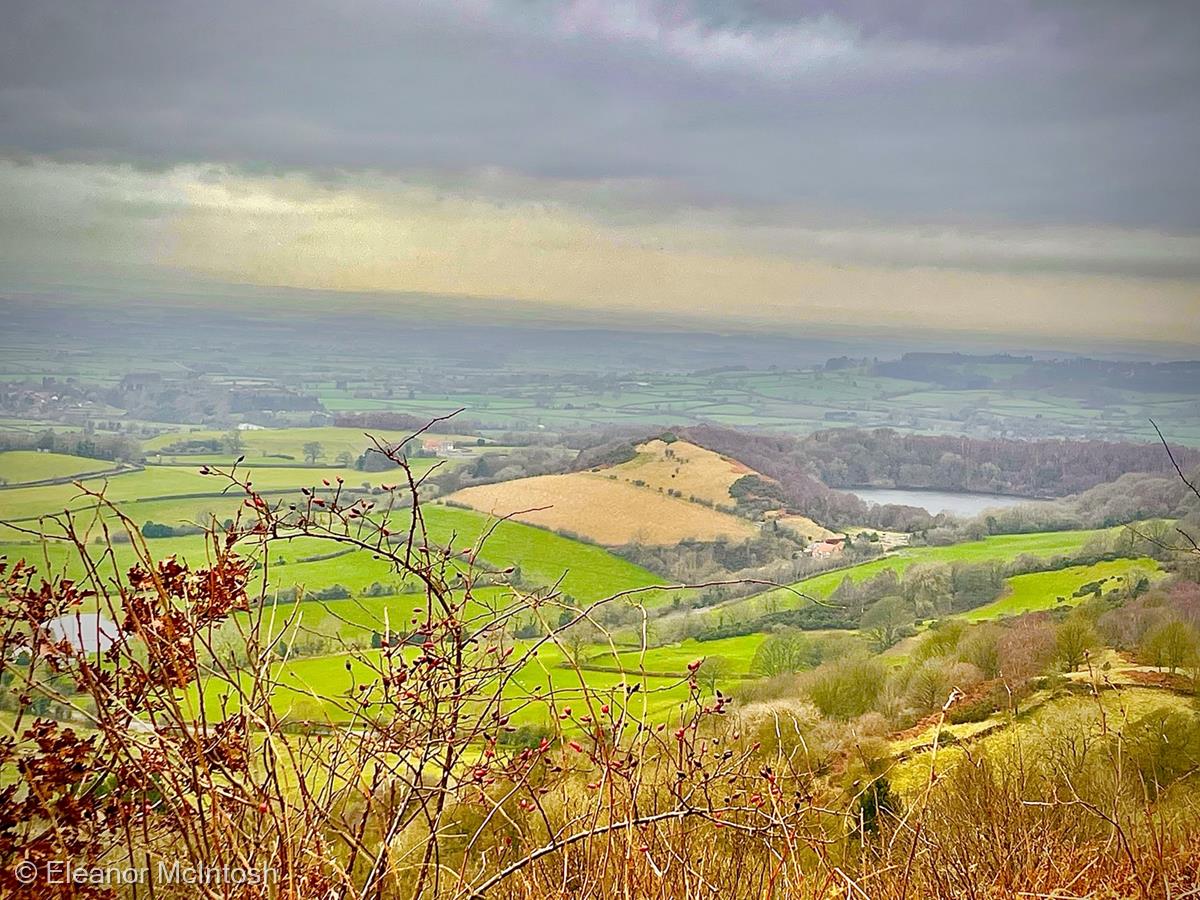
(1040, 468)
(808, 468)
(785, 459)
(1132, 497)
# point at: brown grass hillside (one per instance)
(604, 510)
(693, 471)
(805, 527)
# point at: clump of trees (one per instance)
(770, 555)
(848, 688)
(502, 465)
(152, 529)
(110, 447)
(1161, 626)
(784, 653)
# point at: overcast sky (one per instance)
(999, 165)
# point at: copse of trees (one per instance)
(887, 621)
(847, 688)
(931, 683)
(928, 589)
(784, 653)
(1075, 640)
(110, 447)
(502, 465)
(607, 453)
(811, 617)
(712, 672)
(1171, 645)
(754, 495)
(158, 530)
(941, 639)
(980, 647)
(1160, 625)
(768, 556)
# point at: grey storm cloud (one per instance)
(1077, 112)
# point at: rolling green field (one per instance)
(312, 687)
(583, 571)
(184, 487)
(1041, 590)
(1043, 544)
(19, 466)
(660, 670)
(319, 689)
(352, 620)
(674, 659)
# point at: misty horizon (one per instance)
(1024, 170)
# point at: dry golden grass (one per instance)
(805, 527)
(691, 470)
(603, 510)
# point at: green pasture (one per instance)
(322, 688)
(176, 496)
(1043, 544)
(156, 482)
(1042, 590)
(354, 618)
(674, 659)
(18, 466)
(583, 571)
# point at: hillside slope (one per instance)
(605, 509)
(693, 472)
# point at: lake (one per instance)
(956, 503)
(90, 632)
